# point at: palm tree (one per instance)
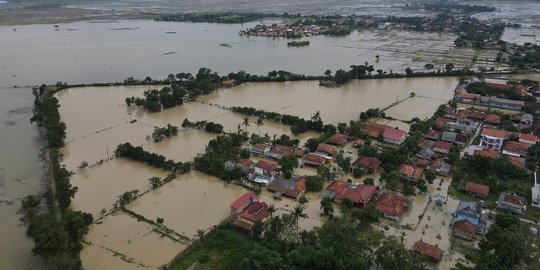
(297, 213)
(200, 234)
(271, 210)
(259, 124)
(316, 116)
(246, 122)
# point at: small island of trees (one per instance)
(298, 43)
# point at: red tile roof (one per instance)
(266, 165)
(339, 139)
(499, 85)
(516, 161)
(420, 162)
(256, 211)
(493, 119)
(428, 250)
(441, 122)
(477, 188)
(326, 148)
(410, 171)
(373, 129)
(391, 204)
(516, 147)
(358, 143)
(528, 137)
(464, 227)
(368, 163)
(315, 159)
(521, 90)
(495, 133)
(360, 194)
(443, 145)
(394, 134)
(489, 153)
(240, 201)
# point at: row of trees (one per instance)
(204, 125)
(298, 125)
(160, 134)
(57, 233)
(137, 153)
(154, 100)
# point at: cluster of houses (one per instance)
(462, 96)
(247, 210)
(275, 31)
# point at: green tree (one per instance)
(392, 181)
(259, 124)
(288, 163)
(298, 213)
(311, 144)
(421, 185)
(245, 122)
(327, 207)
(430, 176)
(314, 183)
(409, 71)
(429, 66)
(155, 182)
(449, 67)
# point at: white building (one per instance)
(536, 190)
(492, 138)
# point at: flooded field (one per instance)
(304, 98)
(122, 242)
(89, 52)
(21, 174)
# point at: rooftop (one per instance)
(326, 148)
(391, 204)
(489, 153)
(394, 134)
(491, 132)
(240, 201)
(427, 250)
(516, 147)
(266, 165)
(464, 227)
(477, 188)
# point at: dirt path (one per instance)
(46, 155)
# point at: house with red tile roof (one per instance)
(433, 135)
(441, 122)
(255, 212)
(366, 164)
(426, 144)
(493, 119)
(373, 129)
(420, 162)
(241, 203)
(511, 202)
(410, 173)
(339, 139)
(260, 149)
(491, 138)
(359, 194)
(394, 136)
(529, 139)
(314, 160)
(517, 161)
(516, 149)
(488, 153)
(267, 168)
(464, 229)
(432, 252)
(521, 90)
(442, 147)
(503, 86)
(326, 149)
(475, 189)
(229, 83)
(292, 188)
(391, 205)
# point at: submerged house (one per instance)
(432, 252)
(475, 189)
(511, 202)
(394, 136)
(469, 219)
(366, 164)
(391, 205)
(292, 188)
(247, 210)
(410, 173)
(314, 160)
(359, 194)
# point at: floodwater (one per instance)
(135, 245)
(89, 52)
(304, 98)
(21, 173)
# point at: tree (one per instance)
(328, 72)
(298, 213)
(430, 176)
(160, 220)
(327, 207)
(288, 163)
(155, 182)
(314, 183)
(392, 181)
(409, 71)
(369, 181)
(271, 210)
(245, 122)
(200, 234)
(429, 66)
(421, 185)
(259, 124)
(303, 199)
(311, 144)
(449, 67)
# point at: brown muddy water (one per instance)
(89, 52)
(341, 104)
(21, 174)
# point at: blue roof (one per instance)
(472, 220)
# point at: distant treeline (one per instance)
(137, 153)
(452, 7)
(155, 100)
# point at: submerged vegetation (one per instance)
(204, 125)
(298, 43)
(163, 133)
(137, 153)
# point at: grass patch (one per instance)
(219, 250)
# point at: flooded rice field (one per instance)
(304, 98)
(89, 52)
(121, 242)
